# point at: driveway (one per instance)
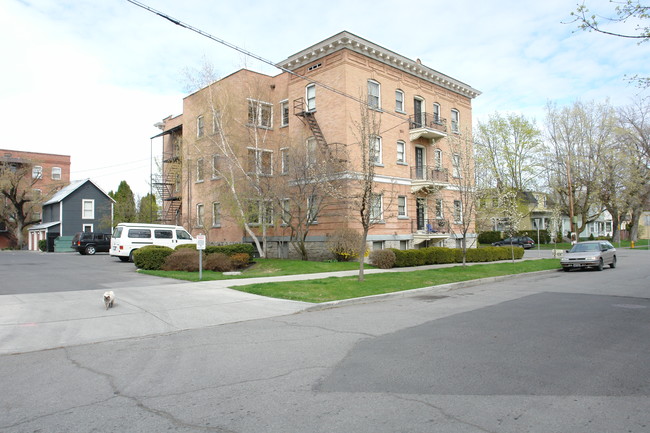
(35, 272)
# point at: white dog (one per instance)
(109, 298)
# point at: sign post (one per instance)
(200, 246)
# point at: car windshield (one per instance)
(583, 248)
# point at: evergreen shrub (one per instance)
(151, 257)
(383, 259)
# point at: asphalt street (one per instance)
(550, 352)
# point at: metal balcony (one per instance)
(430, 229)
(427, 125)
(426, 177)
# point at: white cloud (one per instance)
(89, 78)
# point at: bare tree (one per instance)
(310, 181)
(577, 137)
(463, 183)
(20, 199)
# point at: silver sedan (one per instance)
(589, 254)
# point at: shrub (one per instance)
(489, 237)
(42, 245)
(240, 260)
(188, 246)
(344, 244)
(219, 262)
(231, 250)
(383, 259)
(151, 257)
(183, 259)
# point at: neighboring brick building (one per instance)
(313, 102)
(49, 173)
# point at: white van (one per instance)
(128, 237)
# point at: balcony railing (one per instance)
(429, 121)
(429, 226)
(429, 174)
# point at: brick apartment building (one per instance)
(315, 102)
(49, 173)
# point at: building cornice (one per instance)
(347, 40)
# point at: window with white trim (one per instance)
(375, 149)
(455, 121)
(458, 212)
(284, 160)
(439, 211)
(200, 214)
(456, 165)
(88, 209)
(199, 170)
(436, 112)
(260, 114)
(56, 173)
(199, 126)
(437, 159)
(310, 96)
(399, 101)
(37, 172)
(312, 209)
(376, 208)
(260, 161)
(284, 111)
(401, 206)
(374, 97)
(401, 152)
(216, 214)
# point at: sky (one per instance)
(90, 78)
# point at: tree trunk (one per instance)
(362, 254)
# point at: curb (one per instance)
(406, 293)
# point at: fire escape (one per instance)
(168, 184)
(309, 119)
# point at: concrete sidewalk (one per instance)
(41, 321)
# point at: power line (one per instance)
(260, 58)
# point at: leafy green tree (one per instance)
(124, 209)
(148, 209)
(508, 150)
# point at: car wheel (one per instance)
(90, 249)
(613, 264)
(131, 256)
(600, 265)
(124, 259)
(566, 269)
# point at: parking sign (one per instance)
(200, 242)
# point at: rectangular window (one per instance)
(56, 173)
(37, 172)
(260, 162)
(455, 121)
(215, 166)
(437, 159)
(376, 211)
(399, 101)
(373, 94)
(456, 165)
(260, 114)
(163, 234)
(286, 211)
(88, 209)
(311, 97)
(439, 212)
(375, 149)
(267, 211)
(139, 234)
(199, 170)
(436, 113)
(200, 214)
(458, 212)
(312, 209)
(401, 206)
(199, 126)
(216, 214)
(401, 152)
(284, 109)
(377, 245)
(403, 245)
(284, 157)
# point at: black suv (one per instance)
(91, 243)
(519, 241)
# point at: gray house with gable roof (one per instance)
(79, 207)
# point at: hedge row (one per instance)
(494, 236)
(439, 255)
(152, 257)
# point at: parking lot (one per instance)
(36, 272)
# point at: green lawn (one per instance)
(642, 243)
(336, 288)
(264, 268)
